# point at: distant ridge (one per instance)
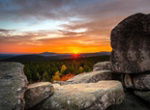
(48, 53)
(45, 56)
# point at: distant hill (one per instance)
(6, 56)
(47, 56)
(82, 54)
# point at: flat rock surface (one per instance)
(85, 96)
(38, 92)
(91, 77)
(130, 41)
(13, 84)
(102, 66)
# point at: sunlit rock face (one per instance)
(130, 41)
(37, 92)
(13, 84)
(90, 77)
(84, 96)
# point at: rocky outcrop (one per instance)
(37, 92)
(85, 96)
(43, 96)
(91, 77)
(140, 81)
(131, 55)
(145, 95)
(130, 43)
(13, 84)
(102, 66)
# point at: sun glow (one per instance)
(75, 50)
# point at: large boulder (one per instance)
(102, 66)
(13, 84)
(37, 92)
(130, 41)
(138, 81)
(85, 96)
(91, 77)
(145, 95)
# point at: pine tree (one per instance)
(56, 76)
(45, 76)
(81, 69)
(63, 69)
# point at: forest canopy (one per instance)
(59, 69)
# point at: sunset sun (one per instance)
(75, 50)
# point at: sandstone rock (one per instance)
(130, 41)
(140, 81)
(37, 92)
(60, 82)
(102, 66)
(85, 96)
(91, 77)
(13, 84)
(145, 95)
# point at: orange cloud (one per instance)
(81, 44)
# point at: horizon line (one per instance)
(47, 52)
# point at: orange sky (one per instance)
(61, 45)
(70, 49)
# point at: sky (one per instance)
(62, 26)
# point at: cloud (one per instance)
(25, 43)
(31, 9)
(62, 9)
(5, 32)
